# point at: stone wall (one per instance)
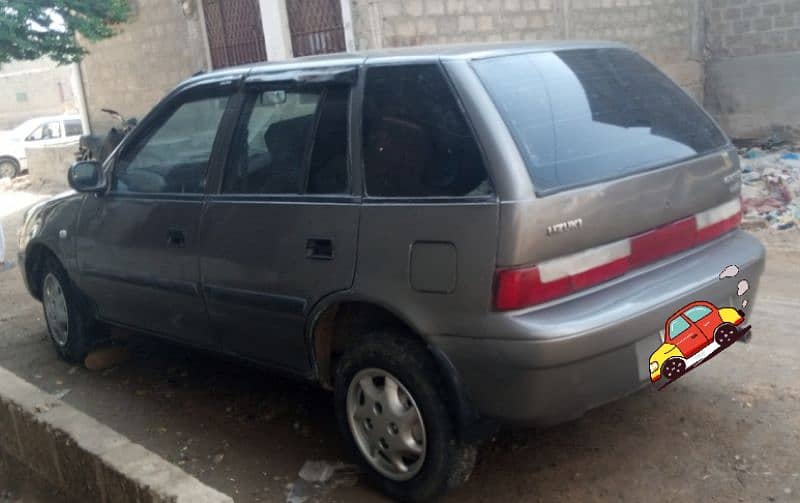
(160, 46)
(753, 71)
(30, 89)
(753, 27)
(661, 29)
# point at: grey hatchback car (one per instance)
(448, 238)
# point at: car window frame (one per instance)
(673, 320)
(348, 74)
(492, 196)
(686, 312)
(64, 127)
(157, 117)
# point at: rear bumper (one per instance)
(556, 361)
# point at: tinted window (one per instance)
(268, 151)
(328, 170)
(582, 116)
(697, 312)
(677, 326)
(416, 141)
(72, 127)
(173, 157)
(288, 140)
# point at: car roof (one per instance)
(465, 51)
(51, 118)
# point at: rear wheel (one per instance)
(68, 324)
(395, 421)
(725, 334)
(9, 168)
(673, 368)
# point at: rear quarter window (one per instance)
(588, 115)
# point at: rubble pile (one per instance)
(771, 187)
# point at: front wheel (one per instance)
(725, 335)
(673, 368)
(9, 168)
(68, 324)
(395, 421)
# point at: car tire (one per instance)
(725, 334)
(384, 379)
(9, 167)
(673, 368)
(69, 324)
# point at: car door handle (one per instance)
(176, 238)
(694, 336)
(319, 249)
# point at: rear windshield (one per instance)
(587, 115)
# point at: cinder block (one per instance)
(466, 23)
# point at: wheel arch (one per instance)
(35, 257)
(339, 319)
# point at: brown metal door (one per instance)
(235, 35)
(316, 26)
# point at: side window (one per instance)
(173, 157)
(72, 127)
(677, 326)
(291, 141)
(47, 131)
(416, 140)
(696, 313)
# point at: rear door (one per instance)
(280, 234)
(705, 319)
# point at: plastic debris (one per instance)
(771, 188)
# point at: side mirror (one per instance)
(87, 176)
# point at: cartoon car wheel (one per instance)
(725, 334)
(673, 368)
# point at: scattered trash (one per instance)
(771, 187)
(61, 394)
(106, 358)
(318, 477)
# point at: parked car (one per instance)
(447, 238)
(688, 332)
(33, 132)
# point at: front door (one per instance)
(686, 336)
(138, 244)
(281, 232)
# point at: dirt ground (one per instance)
(729, 431)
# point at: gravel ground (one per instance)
(729, 431)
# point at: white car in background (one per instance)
(40, 131)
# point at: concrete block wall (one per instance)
(661, 29)
(33, 88)
(753, 27)
(131, 72)
(753, 67)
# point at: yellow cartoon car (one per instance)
(690, 331)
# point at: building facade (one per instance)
(167, 41)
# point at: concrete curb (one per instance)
(83, 458)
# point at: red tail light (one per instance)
(524, 287)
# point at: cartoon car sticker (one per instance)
(696, 333)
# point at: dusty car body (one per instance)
(497, 233)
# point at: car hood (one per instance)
(663, 352)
